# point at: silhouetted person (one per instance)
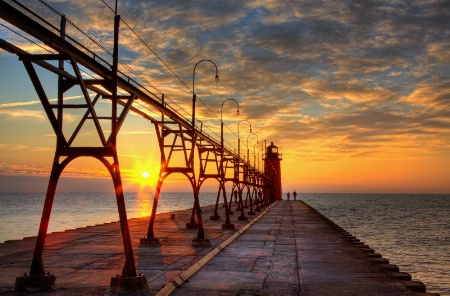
(295, 195)
(288, 195)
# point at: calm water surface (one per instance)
(412, 231)
(21, 212)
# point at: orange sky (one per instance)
(356, 98)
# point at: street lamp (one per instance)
(227, 223)
(240, 207)
(239, 139)
(194, 96)
(196, 207)
(221, 124)
(248, 153)
(254, 155)
(257, 195)
(251, 212)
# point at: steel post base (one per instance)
(128, 283)
(149, 242)
(192, 225)
(228, 226)
(35, 283)
(214, 217)
(201, 242)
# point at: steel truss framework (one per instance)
(177, 138)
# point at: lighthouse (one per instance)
(272, 168)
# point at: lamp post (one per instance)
(221, 122)
(227, 224)
(251, 212)
(248, 151)
(240, 207)
(239, 139)
(254, 155)
(196, 207)
(194, 96)
(257, 197)
(263, 157)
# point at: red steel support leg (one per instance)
(195, 210)
(192, 224)
(37, 279)
(249, 194)
(200, 240)
(151, 240)
(258, 200)
(129, 268)
(129, 280)
(242, 217)
(226, 224)
(230, 211)
(216, 216)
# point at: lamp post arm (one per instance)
(194, 96)
(248, 154)
(221, 134)
(193, 74)
(221, 108)
(239, 139)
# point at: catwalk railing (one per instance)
(176, 135)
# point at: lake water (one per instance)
(412, 231)
(21, 212)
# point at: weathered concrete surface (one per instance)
(291, 250)
(84, 260)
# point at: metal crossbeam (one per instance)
(177, 136)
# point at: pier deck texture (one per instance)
(290, 250)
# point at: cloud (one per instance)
(11, 169)
(24, 147)
(37, 102)
(336, 79)
(431, 95)
(22, 113)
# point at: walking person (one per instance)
(288, 195)
(295, 194)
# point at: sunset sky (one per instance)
(356, 94)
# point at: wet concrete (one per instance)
(290, 250)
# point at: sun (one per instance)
(143, 179)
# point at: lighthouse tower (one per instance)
(272, 168)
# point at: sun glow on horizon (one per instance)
(144, 178)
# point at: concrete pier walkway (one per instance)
(293, 250)
(290, 250)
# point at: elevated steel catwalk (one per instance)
(67, 49)
(176, 134)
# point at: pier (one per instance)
(287, 249)
(251, 242)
